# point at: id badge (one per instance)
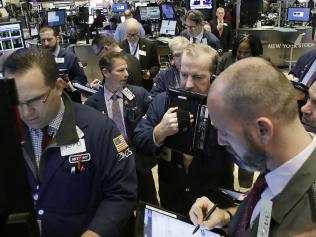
(265, 218)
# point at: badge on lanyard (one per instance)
(265, 218)
(142, 52)
(59, 60)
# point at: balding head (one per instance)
(252, 87)
(132, 30)
(132, 24)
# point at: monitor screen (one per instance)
(298, 14)
(149, 13)
(107, 32)
(167, 11)
(141, 4)
(56, 18)
(200, 4)
(158, 222)
(119, 7)
(11, 37)
(168, 27)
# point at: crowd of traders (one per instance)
(88, 165)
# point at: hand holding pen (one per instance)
(209, 213)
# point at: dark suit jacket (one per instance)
(151, 60)
(211, 39)
(303, 64)
(293, 210)
(135, 76)
(226, 38)
(139, 105)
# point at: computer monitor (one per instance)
(107, 32)
(167, 11)
(299, 14)
(200, 4)
(56, 18)
(168, 27)
(84, 13)
(149, 13)
(119, 7)
(11, 37)
(141, 4)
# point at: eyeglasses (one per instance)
(131, 35)
(36, 101)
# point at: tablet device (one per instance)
(192, 137)
(152, 221)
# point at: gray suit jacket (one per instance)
(292, 209)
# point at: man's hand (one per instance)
(198, 212)
(96, 83)
(90, 233)
(146, 74)
(168, 125)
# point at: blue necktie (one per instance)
(117, 115)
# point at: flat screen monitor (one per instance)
(167, 11)
(200, 4)
(149, 13)
(56, 18)
(119, 7)
(301, 14)
(153, 221)
(168, 27)
(84, 13)
(141, 4)
(107, 32)
(11, 37)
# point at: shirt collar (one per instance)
(108, 94)
(198, 37)
(57, 50)
(278, 178)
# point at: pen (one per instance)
(206, 217)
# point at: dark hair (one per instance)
(107, 59)
(194, 15)
(26, 59)
(254, 43)
(48, 28)
(103, 40)
(98, 11)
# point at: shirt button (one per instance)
(35, 197)
(40, 212)
(187, 190)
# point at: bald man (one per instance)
(254, 109)
(143, 49)
(120, 35)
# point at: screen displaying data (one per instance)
(159, 223)
(11, 37)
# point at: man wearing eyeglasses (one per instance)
(67, 62)
(144, 50)
(195, 31)
(170, 76)
(103, 44)
(80, 169)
